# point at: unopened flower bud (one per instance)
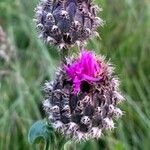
(77, 18)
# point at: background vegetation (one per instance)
(124, 38)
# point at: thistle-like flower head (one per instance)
(82, 100)
(67, 22)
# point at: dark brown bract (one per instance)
(67, 22)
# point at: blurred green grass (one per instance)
(124, 39)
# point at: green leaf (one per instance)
(39, 131)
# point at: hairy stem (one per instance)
(46, 145)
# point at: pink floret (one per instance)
(85, 68)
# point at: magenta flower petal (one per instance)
(85, 68)
(89, 78)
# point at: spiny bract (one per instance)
(83, 114)
(67, 22)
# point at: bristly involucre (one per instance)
(67, 22)
(82, 112)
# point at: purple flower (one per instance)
(86, 68)
(90, 110)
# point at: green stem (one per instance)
(46, 145)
